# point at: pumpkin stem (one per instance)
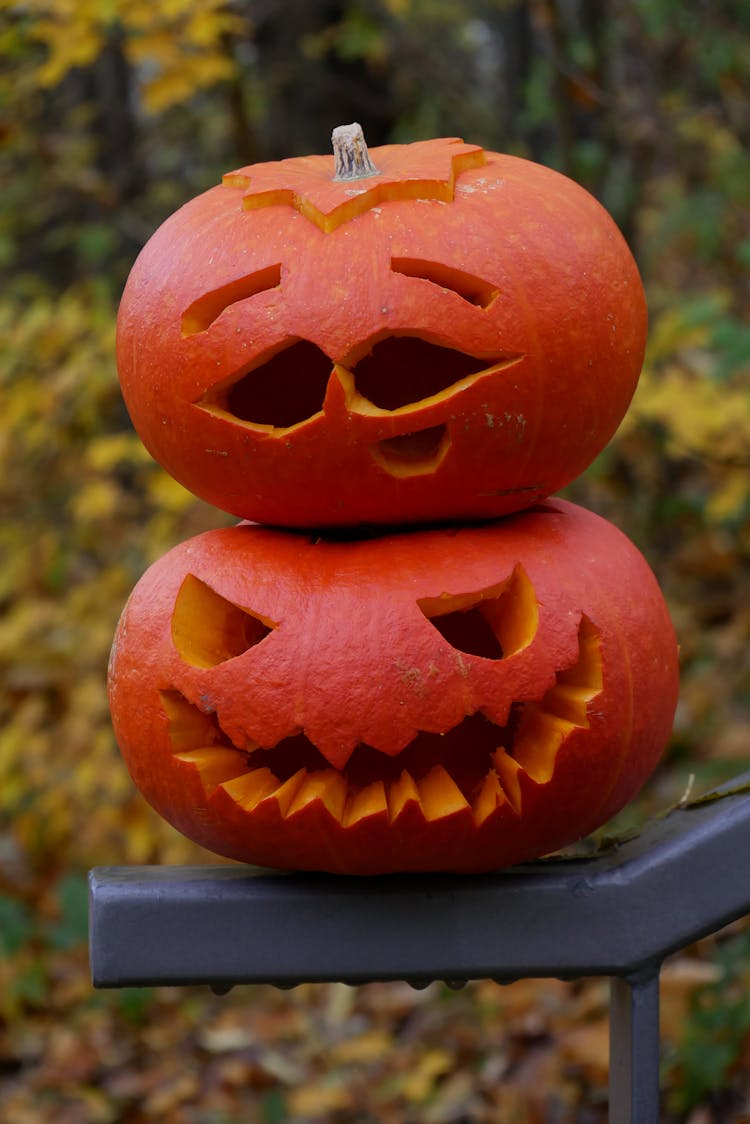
(350, 153)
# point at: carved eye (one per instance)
(402, 370)
(493, 623)
(469, 288)
(207, 308)
(286, 389)
(208, 630)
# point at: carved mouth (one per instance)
(476, 764)
(413, 454)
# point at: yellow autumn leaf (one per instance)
(180, 83)
(142, 15)
(698, 415)
(207, 24)
(69, 47)
(730, 495)
(317, 1100)
(157, 45)
(418, 1084)
(670, 334)
(171, 10)
(167, 494)
(399, 8)
(96, 500)
(107, 451)
(366, 1047)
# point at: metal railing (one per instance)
(617, 914)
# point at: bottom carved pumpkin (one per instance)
(445, 699)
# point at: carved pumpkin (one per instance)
(443, 699)
(457, 335)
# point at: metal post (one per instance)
(634, 1049)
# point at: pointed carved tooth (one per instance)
(440, 794)
(215, 764)
(587, 671)
(491, 796)
(369, 801)
(508, 769)
(249, 789)
(325, 785)
(402, 792)
(537, 743)
(568, 702)
(286, 794)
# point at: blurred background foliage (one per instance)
(112, 114)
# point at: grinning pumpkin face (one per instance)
(451, 699)
(458, 335)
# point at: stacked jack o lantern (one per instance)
(411, 659)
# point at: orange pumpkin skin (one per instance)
(443, 699)
(456, 337)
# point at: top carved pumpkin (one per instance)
(458, 335)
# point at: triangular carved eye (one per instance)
(208, 630)
(284, 390)
(493, 623)
(469, 631)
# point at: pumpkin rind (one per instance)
(275, 287)
(291, 701)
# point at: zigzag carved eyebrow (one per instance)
(422, 170)
(207, 308)
(472, 289)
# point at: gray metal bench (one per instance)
(617, 914)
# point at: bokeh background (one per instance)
(112, 114)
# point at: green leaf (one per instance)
(71, 928)
(16, 926)
(135, 1003)
(273, 1108)
(28, 985)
